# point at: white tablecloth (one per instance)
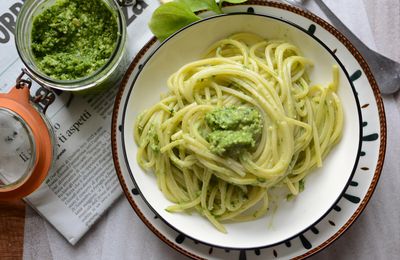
(121, 235)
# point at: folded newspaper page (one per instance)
(82, 184)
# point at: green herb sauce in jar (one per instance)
(73, 38)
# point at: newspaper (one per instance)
(82, 184)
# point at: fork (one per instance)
(386, 71)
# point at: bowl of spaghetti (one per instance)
(241, 131)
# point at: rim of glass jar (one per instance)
(26, 16)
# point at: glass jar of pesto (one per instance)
(72, 45)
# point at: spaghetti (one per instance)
(300, 125)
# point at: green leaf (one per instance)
(213, 6)
(201, 5)
(195, 5)
(170, 17)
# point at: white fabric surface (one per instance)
(121, 235)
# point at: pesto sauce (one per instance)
(233, 129)
(153, 139)
(73, 38)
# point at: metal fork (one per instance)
(386, 71)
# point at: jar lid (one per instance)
(26, 148)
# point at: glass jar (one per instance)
(107, 75)
(27, 142)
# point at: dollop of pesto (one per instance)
(73, 38)
(233, 129)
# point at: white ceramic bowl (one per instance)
(324, 186)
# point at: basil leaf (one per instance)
(170, 17)
(213, 6)
(195, 5)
